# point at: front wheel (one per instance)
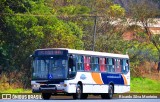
(108, 95)
(84, 96)
(46, 96)
(78, 94)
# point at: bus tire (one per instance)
(84, 96)
(46, 96)
(108, 95)
(78, 94)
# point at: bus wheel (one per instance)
(108, 95)
(46, 96)
(78, 94)
(85, 96)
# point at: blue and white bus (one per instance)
(79, 73)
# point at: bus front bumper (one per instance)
(44, 89)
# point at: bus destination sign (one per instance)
(49, 52)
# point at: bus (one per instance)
(79, 73)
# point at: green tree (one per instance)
(109, 19)
(145, 12)
(29, 26)
(61, 34)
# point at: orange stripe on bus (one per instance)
(125, 80)
(97, 78)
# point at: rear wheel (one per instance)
(46, 96)
(108, 95)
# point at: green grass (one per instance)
(144, 85)
(18, 90)
(6, 88)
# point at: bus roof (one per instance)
(84, 52)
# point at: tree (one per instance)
(83, 13)
(109, 19)
(29, 26)
(145, 12)
(60, 34)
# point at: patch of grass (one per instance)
(144, 85)
(6, 88)
(18, 90)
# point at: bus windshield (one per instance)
(49, 68)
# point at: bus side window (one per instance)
(102, 64)
(87, 63)
(79, 63)
(113, 64)
(121, 64)
(109, 64)
(125, 66)
(118, 66)
(72, 63)
(94, 66)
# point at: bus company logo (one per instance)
(83, 77)
(6, 96)
(20, 96)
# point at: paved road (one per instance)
(90, 99)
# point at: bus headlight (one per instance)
(65, 85)
(35, 86)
